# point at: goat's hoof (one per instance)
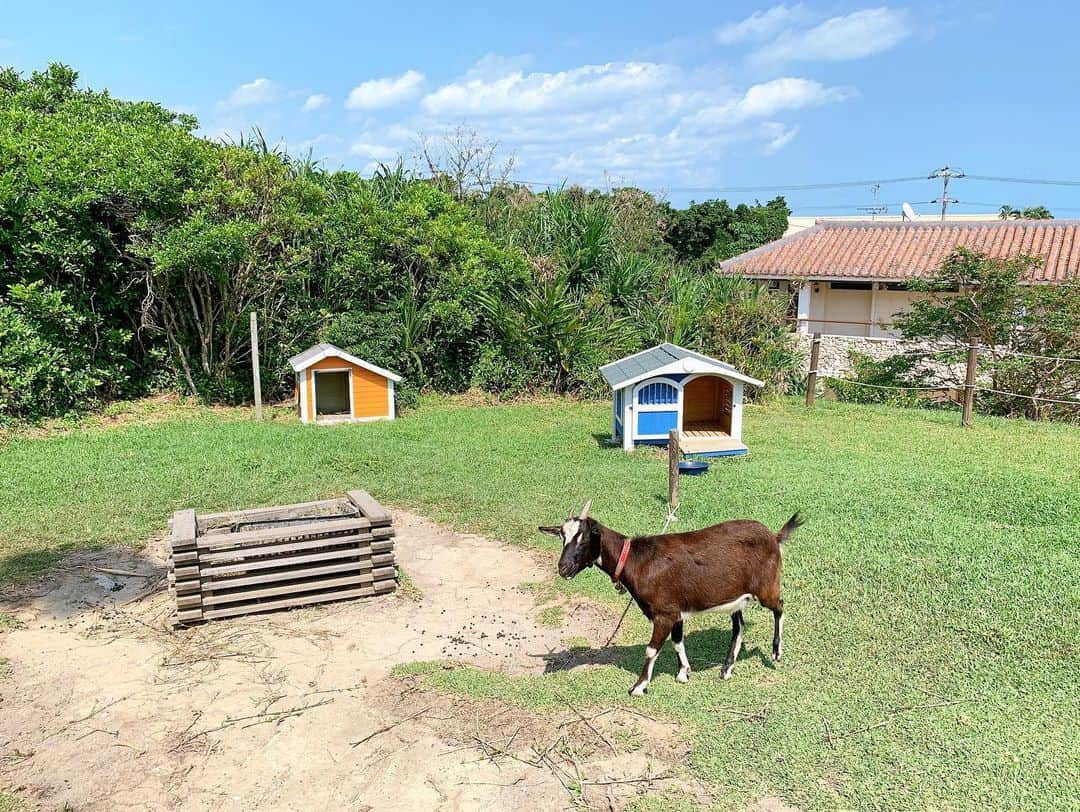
(639, 690)
(776, 656)
(727, 673)
(683, 676)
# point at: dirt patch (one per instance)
(107, 707)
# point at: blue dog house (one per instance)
(670, 387)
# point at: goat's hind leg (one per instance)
(660, 631)
(777, 607)
(778, 633)
(737, 626)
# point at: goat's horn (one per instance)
(585, 511)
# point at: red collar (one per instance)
(622, 561)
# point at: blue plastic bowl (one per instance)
(693, 467)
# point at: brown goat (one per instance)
(722, 568)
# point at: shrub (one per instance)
(895, 371)
(746, 326)
(494, 372)
(46, 355)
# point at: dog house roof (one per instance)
(667, 359)
(313, 355)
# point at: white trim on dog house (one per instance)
(370, 388)
(653, 394)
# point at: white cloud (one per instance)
(782, 137)
(376, 93)
(378, 153)
(850, 36)
(651, 123)
(761, 24)
(324, 142)
(314, 102)
(517, 92)
(261, 91)
(768, 99)
(492, 66)
(630, 158)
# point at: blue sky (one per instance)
(682, 99)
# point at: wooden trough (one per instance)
(243, 561)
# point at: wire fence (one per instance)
(1041, 357)
(951, 388)
(885, 325)
(928, 351)
(1040, 398)
(939, 388)
(968, 389)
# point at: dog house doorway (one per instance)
(707, 404)
(333, 394)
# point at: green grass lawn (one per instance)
(937, 565)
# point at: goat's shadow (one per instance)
(706, 648)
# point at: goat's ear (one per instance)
(551, 531)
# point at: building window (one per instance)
(850, 285)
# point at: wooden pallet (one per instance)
(244, 561)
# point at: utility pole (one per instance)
(946, 173)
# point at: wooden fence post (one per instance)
(255, 365)
(969, 380)
(673, 471)
(811, 375)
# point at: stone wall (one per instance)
(834, 356)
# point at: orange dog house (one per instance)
(333, 386)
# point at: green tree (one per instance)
(706, 233)
(132, 253)
(1023, 329)
(1007, 212)
(81, 173)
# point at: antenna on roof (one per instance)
(875, 209)
(909, 213)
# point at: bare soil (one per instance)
(107, 707)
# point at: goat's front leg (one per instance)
(736, 644)
(680, 649)
(660, 630)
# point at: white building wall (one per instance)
(864, 311)
(803, 308)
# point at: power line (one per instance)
(1034, 181)
(945, 173)
(858, 206)
(797, 187)
(998, 205)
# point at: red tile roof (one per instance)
(898, 251)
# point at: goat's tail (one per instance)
(790, 526)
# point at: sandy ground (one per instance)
(106, 707)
